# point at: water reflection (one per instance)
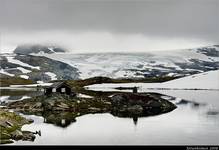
(59, 119)
(62, 119)
(210, 112)
(195, 121)
(192, 103)
(135, 120)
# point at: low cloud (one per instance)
(86, 42)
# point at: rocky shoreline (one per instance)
(10, 126)
(62, 110)
(120, 102)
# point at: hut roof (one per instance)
(58, 84)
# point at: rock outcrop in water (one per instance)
(129, 105)
(120, 104)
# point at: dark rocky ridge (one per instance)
(129, 105)
(62, 70)
(28, 49)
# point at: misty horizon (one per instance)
(109, 26)
(96, 52)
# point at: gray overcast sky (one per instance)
(110, 25)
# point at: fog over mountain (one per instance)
(83, 26)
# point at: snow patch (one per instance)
(40, 82)
(6, 73)
(84, 96)
(31, 85)
(4, 98)
(24, 76)
(7, 98)
(23, 70)
(206, 80)
(52, 75)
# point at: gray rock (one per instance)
(136, 109)
(16, 135)
(94, 109)
(28, 136)
(9, 123)
(63, 105)
(37, 105)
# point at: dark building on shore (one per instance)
(59, 87)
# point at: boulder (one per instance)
(63, 106)
(94, 109)
(28, 136)
(17, 135)
(136, 109)
(129, 104)
(37, 105)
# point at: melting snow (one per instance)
(31, 85)
(7, 98)
(23, 70)
(84, 96)
(52, 75)
(24, 76)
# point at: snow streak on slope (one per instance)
(52, 75)
(24, 76)
(15, 61)
(23, 70)
(6, 73)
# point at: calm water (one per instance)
(188, 124)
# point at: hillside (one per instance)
(42, 63)
(36, 68)
(142, 65)
(35, 49)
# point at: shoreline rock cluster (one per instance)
(61, 110)
(129, 105)
(10, 127)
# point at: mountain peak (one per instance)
(37, 48)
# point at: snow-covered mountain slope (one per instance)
(139, 65)
(36, 68)
(39, 64)
(206, 80)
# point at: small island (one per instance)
(61, 103)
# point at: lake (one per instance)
(195, 121)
